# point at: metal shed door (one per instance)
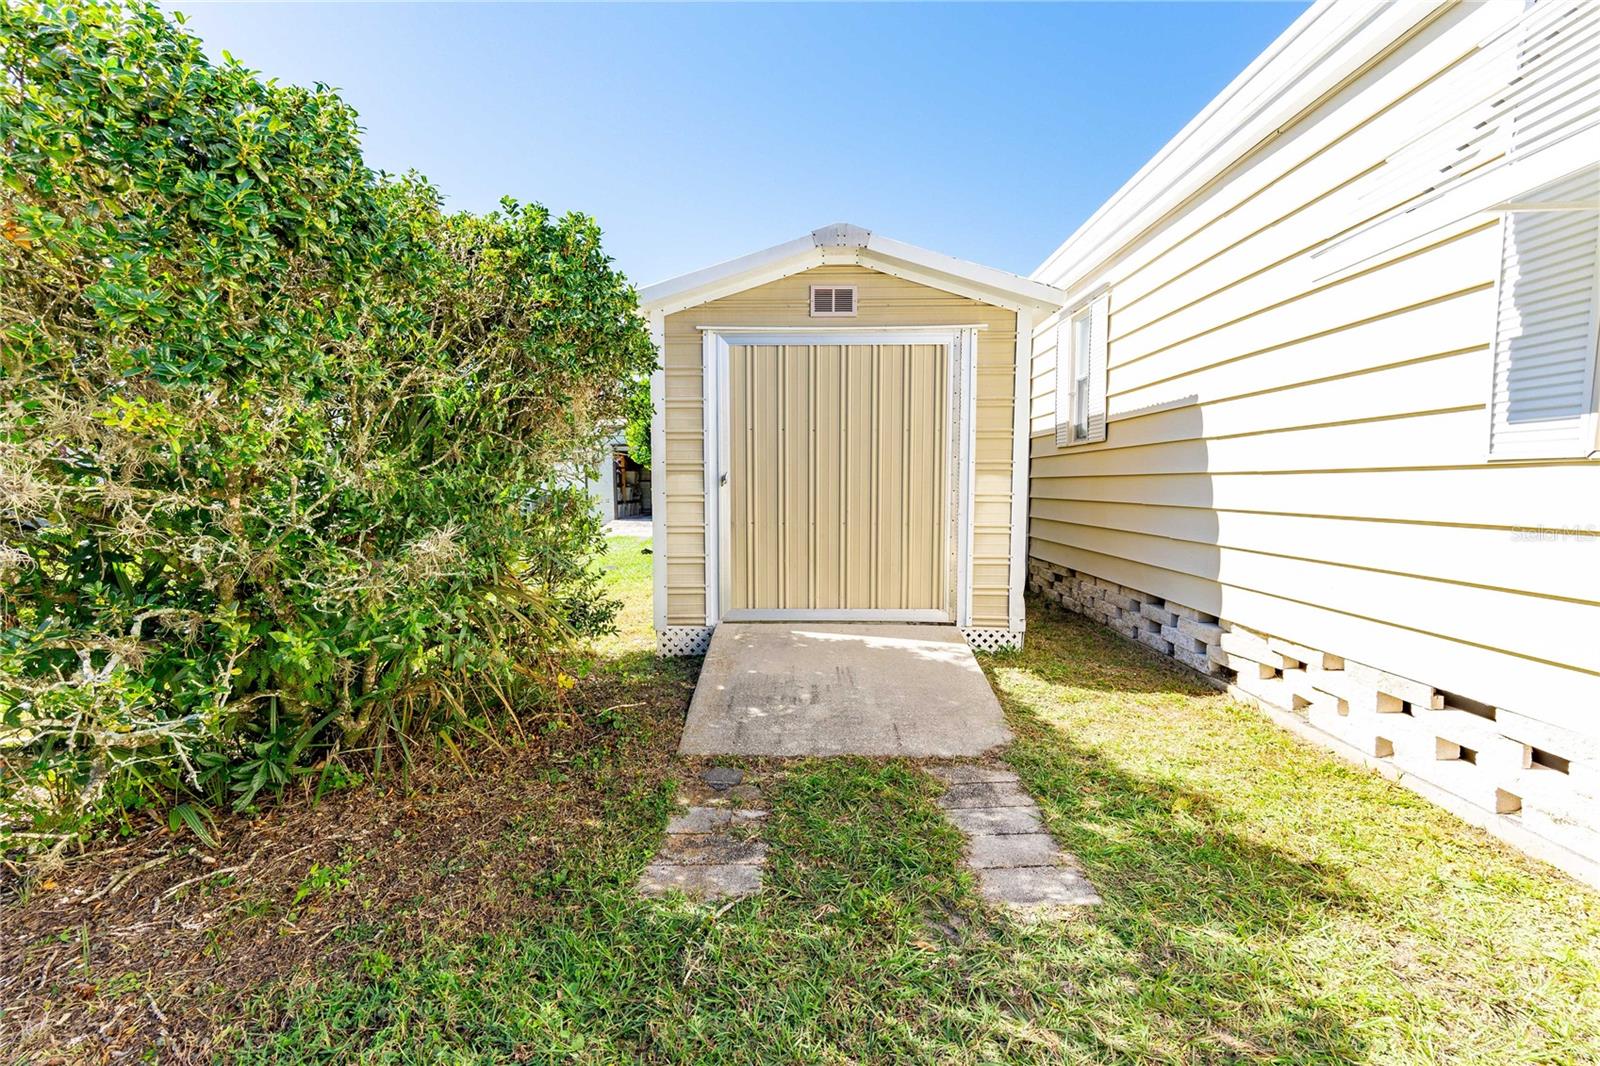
(838, 470)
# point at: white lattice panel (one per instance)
(994, 639)
(676, 641)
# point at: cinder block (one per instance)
(1244, 667)
(1577, 747)
(1156, 641)
(1310, 656)
(1404, 688)
(1247, 645)
(1299, 682)
(1270, 689)
(1197, 660)
(1158, 614)
(1325, 714)
(1506, 802)
(1210, 632)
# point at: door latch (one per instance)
(724, 481)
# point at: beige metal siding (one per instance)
(838, 477)
(884, 300)
(1305, 454)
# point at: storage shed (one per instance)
(841, 434)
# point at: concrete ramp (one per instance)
(833, 688)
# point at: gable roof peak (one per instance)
(846, 243)
(841, 235)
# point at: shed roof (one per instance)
(845, 243)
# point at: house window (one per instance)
(1082, 342)
(1081, 373)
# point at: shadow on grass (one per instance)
(1197, 917)
(1069, 649)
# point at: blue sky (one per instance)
(700, 132)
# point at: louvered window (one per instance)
(1081, 374)
(1543, 403)
(832, 300)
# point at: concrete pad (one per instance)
(995, 821)
(830, 688)
(709, 849)
(969, 774)
(701, 882)
(990, 852)
(706, 819)
(1037, 886)
(986, 794)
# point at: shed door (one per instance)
(838, 471)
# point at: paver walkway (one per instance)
(712, 849)
(1017, 861)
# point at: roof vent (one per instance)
(832, 300)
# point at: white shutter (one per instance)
(1098, 336)
(1543, 399)
(1064, 381)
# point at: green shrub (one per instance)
(637, 431)
(282, 444)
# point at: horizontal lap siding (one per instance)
(1304, 453)
(883, 301)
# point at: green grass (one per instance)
(1263, 902)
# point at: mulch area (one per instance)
(158, 942)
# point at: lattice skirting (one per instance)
(675, 641)
(1534, 784)
(994, 639)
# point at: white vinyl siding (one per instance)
(1544, 357)
(1301, 450)
(1519, 108)
(1081, 374)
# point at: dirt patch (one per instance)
(158, 942)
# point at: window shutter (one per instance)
(1064, 381)
(1542, 404)
(1099, 319)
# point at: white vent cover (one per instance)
(832, 300)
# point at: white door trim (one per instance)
(961, 343)
(658, 478)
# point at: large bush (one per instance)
(281, 441)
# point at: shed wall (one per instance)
(884, 300)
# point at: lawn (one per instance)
(1263, 902)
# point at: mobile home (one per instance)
(1319, 415)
